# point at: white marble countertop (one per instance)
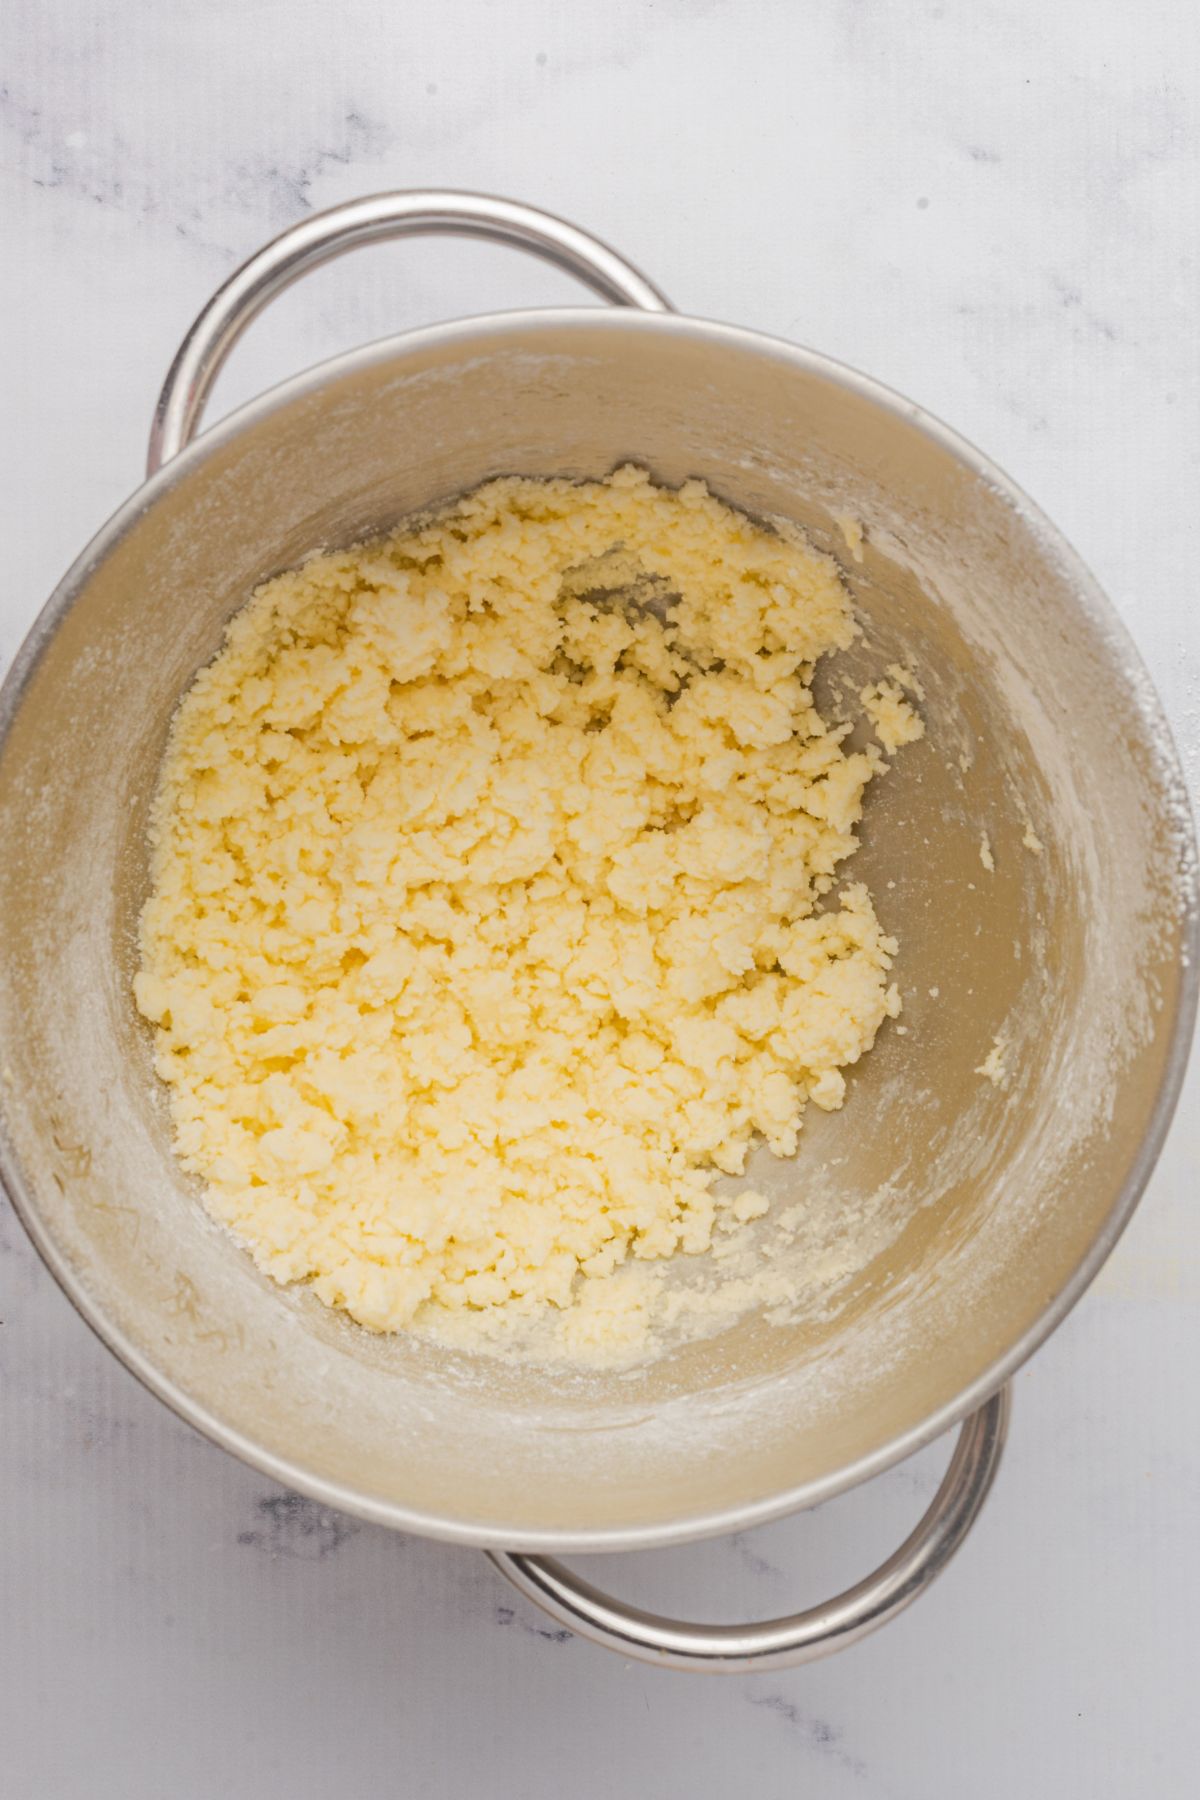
(993, 208)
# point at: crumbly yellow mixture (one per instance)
(993, 1067)
(895, 720)
(483, 930)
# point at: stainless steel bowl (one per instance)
(972, 1215)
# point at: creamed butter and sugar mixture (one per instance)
(484, 927)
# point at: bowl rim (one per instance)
(1101, 615)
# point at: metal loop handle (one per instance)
(805, 1636)
(417, 213)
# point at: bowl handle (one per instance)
(805, 1636)
(316, 240)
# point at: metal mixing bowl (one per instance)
(965, 1218)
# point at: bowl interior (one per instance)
(946, 1218)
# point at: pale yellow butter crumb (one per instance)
(905, 676)
(852, 532)
(1031, 840)
(993, 1066)
(483, 928)
(985, 854)
(894, 719)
